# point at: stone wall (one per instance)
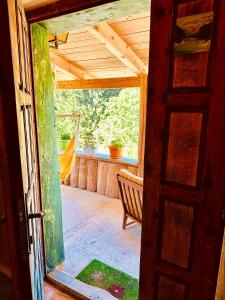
(49, 165)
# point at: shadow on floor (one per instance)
(93, 230)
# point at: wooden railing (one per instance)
(97, 174)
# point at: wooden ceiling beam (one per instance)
(69, 67)
(116, 45)
(61, 7)
(99, 83)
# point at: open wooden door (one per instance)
(184, 194)
(20, 146)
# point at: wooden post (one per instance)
(142, 126)
(82, 184)
(92, 172)
(112, 189)
(133, 170)
(102, 175)
(74, 177)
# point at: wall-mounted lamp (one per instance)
(55, 40)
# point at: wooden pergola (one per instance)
(109, 54)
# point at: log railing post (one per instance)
(142, 126)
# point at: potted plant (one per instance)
(64, 140)
(116, 149)
(88, 143)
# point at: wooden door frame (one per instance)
(63, 7)
(60, 8)
(10, 162)
(153, 187)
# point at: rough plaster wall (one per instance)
(49, 165)
(220, 293)
(114, 10)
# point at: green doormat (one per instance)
(121, 285)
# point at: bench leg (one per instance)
(124, 221)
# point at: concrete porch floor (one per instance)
(92, 230)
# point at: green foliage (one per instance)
(117, 143)
(65, 136)
(107, 116)
(120, 121)
(90, 103)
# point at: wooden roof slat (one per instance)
(132, 26)
(101, 63)
(96, 49)
(69, 67)
(89, 53)
(131, 18)
(113, 73)
(81, 43)
(118, 47)
(60, 74)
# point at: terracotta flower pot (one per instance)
(115, 152)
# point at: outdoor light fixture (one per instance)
(55, 40)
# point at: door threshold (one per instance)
(53, 292)
(76, 288)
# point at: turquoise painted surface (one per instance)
(49, 165)
(101, 13)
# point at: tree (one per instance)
(121, 121)
(90, 103)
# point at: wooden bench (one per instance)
(131, 194)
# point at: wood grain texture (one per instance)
(10, 147)
(92, 174)
(183, 147)
(74, 176)
(99, 83)
(61, 7)
(82, 183)
(133, 170)
(190, 70)
(176, 233)
(142, 124)
(220, 291)
(201, 278)
(169, 289)
(49, 166)
(102, 175)
(195, 7)
(52, 293)
(118, 47)
(123, 44)
(98, 174)
(112, 189)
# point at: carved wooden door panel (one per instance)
(185, 145)
(30, 209)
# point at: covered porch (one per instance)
(92, 227)
(92, 59)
